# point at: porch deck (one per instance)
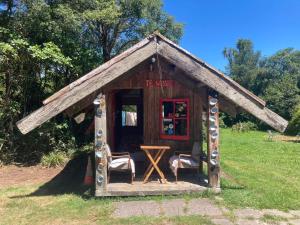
(186, 185)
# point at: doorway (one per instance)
(129, 125)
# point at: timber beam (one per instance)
(213, 134)
(100, 144)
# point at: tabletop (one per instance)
(154, 147)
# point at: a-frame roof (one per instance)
(154, 44)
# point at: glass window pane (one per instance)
(167, 109)
(168, 127)
(129, 115)
(180, 127)
(181, 109)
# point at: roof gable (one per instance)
(154, 44)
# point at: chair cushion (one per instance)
(185, 162)
(108, 152)
(196, 151)
(122, 164)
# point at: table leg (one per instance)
(154, 165)
(161, 174)
(150, 165)
(150, 168)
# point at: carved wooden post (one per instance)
(100, 142)
(213, 151)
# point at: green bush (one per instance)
(221, 121)
(294, 124)
(54, 159)
(244, 126)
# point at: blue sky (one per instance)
(212, 25)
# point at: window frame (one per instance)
(174, 136)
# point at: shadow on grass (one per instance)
(68, 181)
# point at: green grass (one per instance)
(271, 219)
(16, 207)
(261, 174)
(178, 220)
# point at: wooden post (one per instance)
(100, 145)
(213, 134)
(201, 137)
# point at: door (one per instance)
(129, 120)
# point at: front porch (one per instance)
(188, 183)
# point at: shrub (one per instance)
(54, 159)
(221, 121)
(294, 124)
(244, 126)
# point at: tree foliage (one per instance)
(275, 78)
(46, 44)
(294, 125)
(243, 63)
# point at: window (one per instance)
(174, 119)
(129, 115)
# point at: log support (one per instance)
(213, 134)
(100, 145)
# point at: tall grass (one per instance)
(54, 159)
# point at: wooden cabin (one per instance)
(154, 94)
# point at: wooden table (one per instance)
(154, 159)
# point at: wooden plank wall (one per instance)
(136, 79)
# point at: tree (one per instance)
(275, 78)
(116, 25)
(282, 96)
(46, 44)
(282, 88)
(294, 124)
(243, 62)
(23, 68)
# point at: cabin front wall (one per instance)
(137, 78)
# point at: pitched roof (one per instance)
(153, 44)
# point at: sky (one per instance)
(212, 25)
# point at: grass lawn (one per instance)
(257, 173)
(260, 173)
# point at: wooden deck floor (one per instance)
(154, 187)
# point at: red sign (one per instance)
(159, 83)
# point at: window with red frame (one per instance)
(174, 119)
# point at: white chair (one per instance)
(185, 159)
(119, 161)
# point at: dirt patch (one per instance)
(19, 175)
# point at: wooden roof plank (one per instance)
(194, 67)
(217, 72)
(206, 76)
(79, 91)
(99, 69)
